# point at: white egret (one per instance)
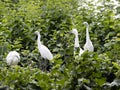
(13, 58)
(88, 45)
(76, 44)
(44, 51)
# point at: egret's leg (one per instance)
(45, 65)
(74, 52)
(40, 63)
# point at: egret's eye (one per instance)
(35, 37)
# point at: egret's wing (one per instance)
(15, 61)
(16, 54)
(89, 46)
(45, 52)
(9, 60)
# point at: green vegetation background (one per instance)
(19, 19)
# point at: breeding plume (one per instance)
(44, 51)
(76, 44)
(13, 58)
(88, 45)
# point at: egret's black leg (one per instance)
(45, 64)
(40, 63)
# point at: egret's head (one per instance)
(74, 31)
(85, 23)
(36, 32)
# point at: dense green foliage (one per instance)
(19, 19)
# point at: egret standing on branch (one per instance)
(13, 58)
(76, 44)
(44, 51)
(88, 45)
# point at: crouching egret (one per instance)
(13, 58)
(44, 51)
(76, 44)
(88, 45)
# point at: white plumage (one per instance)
(88, 45)
(81, 51)
(76, 44)
(44, 51)
(13, 58)
(75, 32)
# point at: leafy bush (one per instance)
(19, 19)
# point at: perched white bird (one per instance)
(44, 51)
(13, 58)
(88, 45)
(76, 44)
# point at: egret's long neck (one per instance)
(76, 40)
(38, 40)
(87, 33)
